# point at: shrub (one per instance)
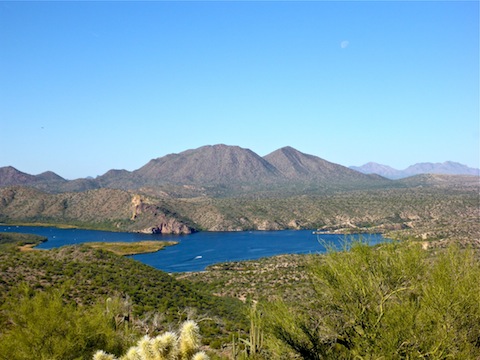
(392, 301)
(41, 325)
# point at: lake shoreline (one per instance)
(195, 252)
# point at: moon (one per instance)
(344, 44)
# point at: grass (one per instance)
(131, 248)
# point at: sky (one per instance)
(86, 87)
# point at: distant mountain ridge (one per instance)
(213, 166)
(232, 168)
(11, 176)
(445, 168)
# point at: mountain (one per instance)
(297, 166)
(382, 170)
(441, 181)
(446, 168)
(208, 165)
(11, 176)
(227, 188)
(121, 179)
(49, 176)
(223, 170)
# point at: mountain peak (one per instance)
(11, 176)
(49, 176)
(211, 164)
(297, 166)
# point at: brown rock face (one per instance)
(171, 227)
(155, 219)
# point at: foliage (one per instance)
(393, 301)
(39, 324)
(89, 275)
(167, 346)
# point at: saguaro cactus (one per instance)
(168, 346)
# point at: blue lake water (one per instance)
(196, 251)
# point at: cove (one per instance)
(196, 251)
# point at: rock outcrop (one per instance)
(157, 220)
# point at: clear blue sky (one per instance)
(90, 86)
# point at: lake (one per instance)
(196, 251)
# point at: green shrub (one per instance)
(393, 301)
(41, 325)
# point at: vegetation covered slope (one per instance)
(393, 301)
(428, 212)
(432, 207)
(405, 302)
(90, 275)
(106, 209)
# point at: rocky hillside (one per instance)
(434, 206)
(101, 209)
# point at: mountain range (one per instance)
(445, 168)
(209, 167)
(223, 169)
(229, 188)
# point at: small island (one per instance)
(131, 248)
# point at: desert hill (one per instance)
(217, 164)
(11, 176)
(297, 166)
